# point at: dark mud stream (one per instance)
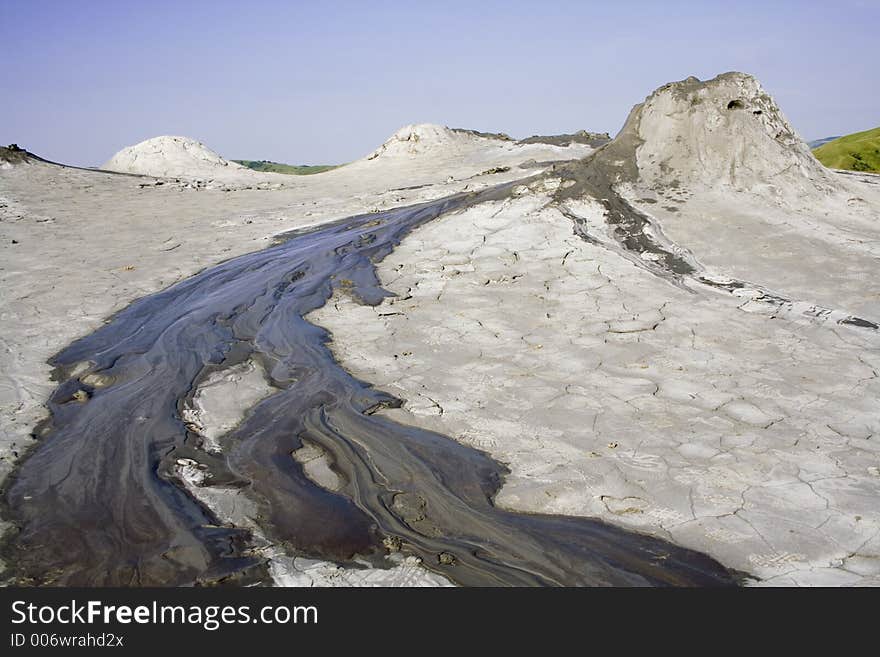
(636, 235)
(97, 501)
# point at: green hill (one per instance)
(291, 169)
(856, 152)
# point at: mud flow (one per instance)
(98, 502)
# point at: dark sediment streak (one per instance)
(97, 501)
(636, 235)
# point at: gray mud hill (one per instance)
(169, 156)
(593, 139)
(183, 157)
(727, 132)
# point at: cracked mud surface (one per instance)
(612, 390)
(101, 499)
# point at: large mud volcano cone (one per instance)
(725, 132)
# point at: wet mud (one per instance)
(636, 236)
(97, 502)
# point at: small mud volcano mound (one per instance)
(173, 157)
(424, 138)
(726, 131)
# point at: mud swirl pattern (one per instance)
(99, 501)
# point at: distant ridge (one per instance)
(594, 139)
(821, 142)
(267, 166)
(13, 154)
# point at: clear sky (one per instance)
(326, 82)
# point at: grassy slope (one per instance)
(856, 152)
(277, 167)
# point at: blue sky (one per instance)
(327, 82)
